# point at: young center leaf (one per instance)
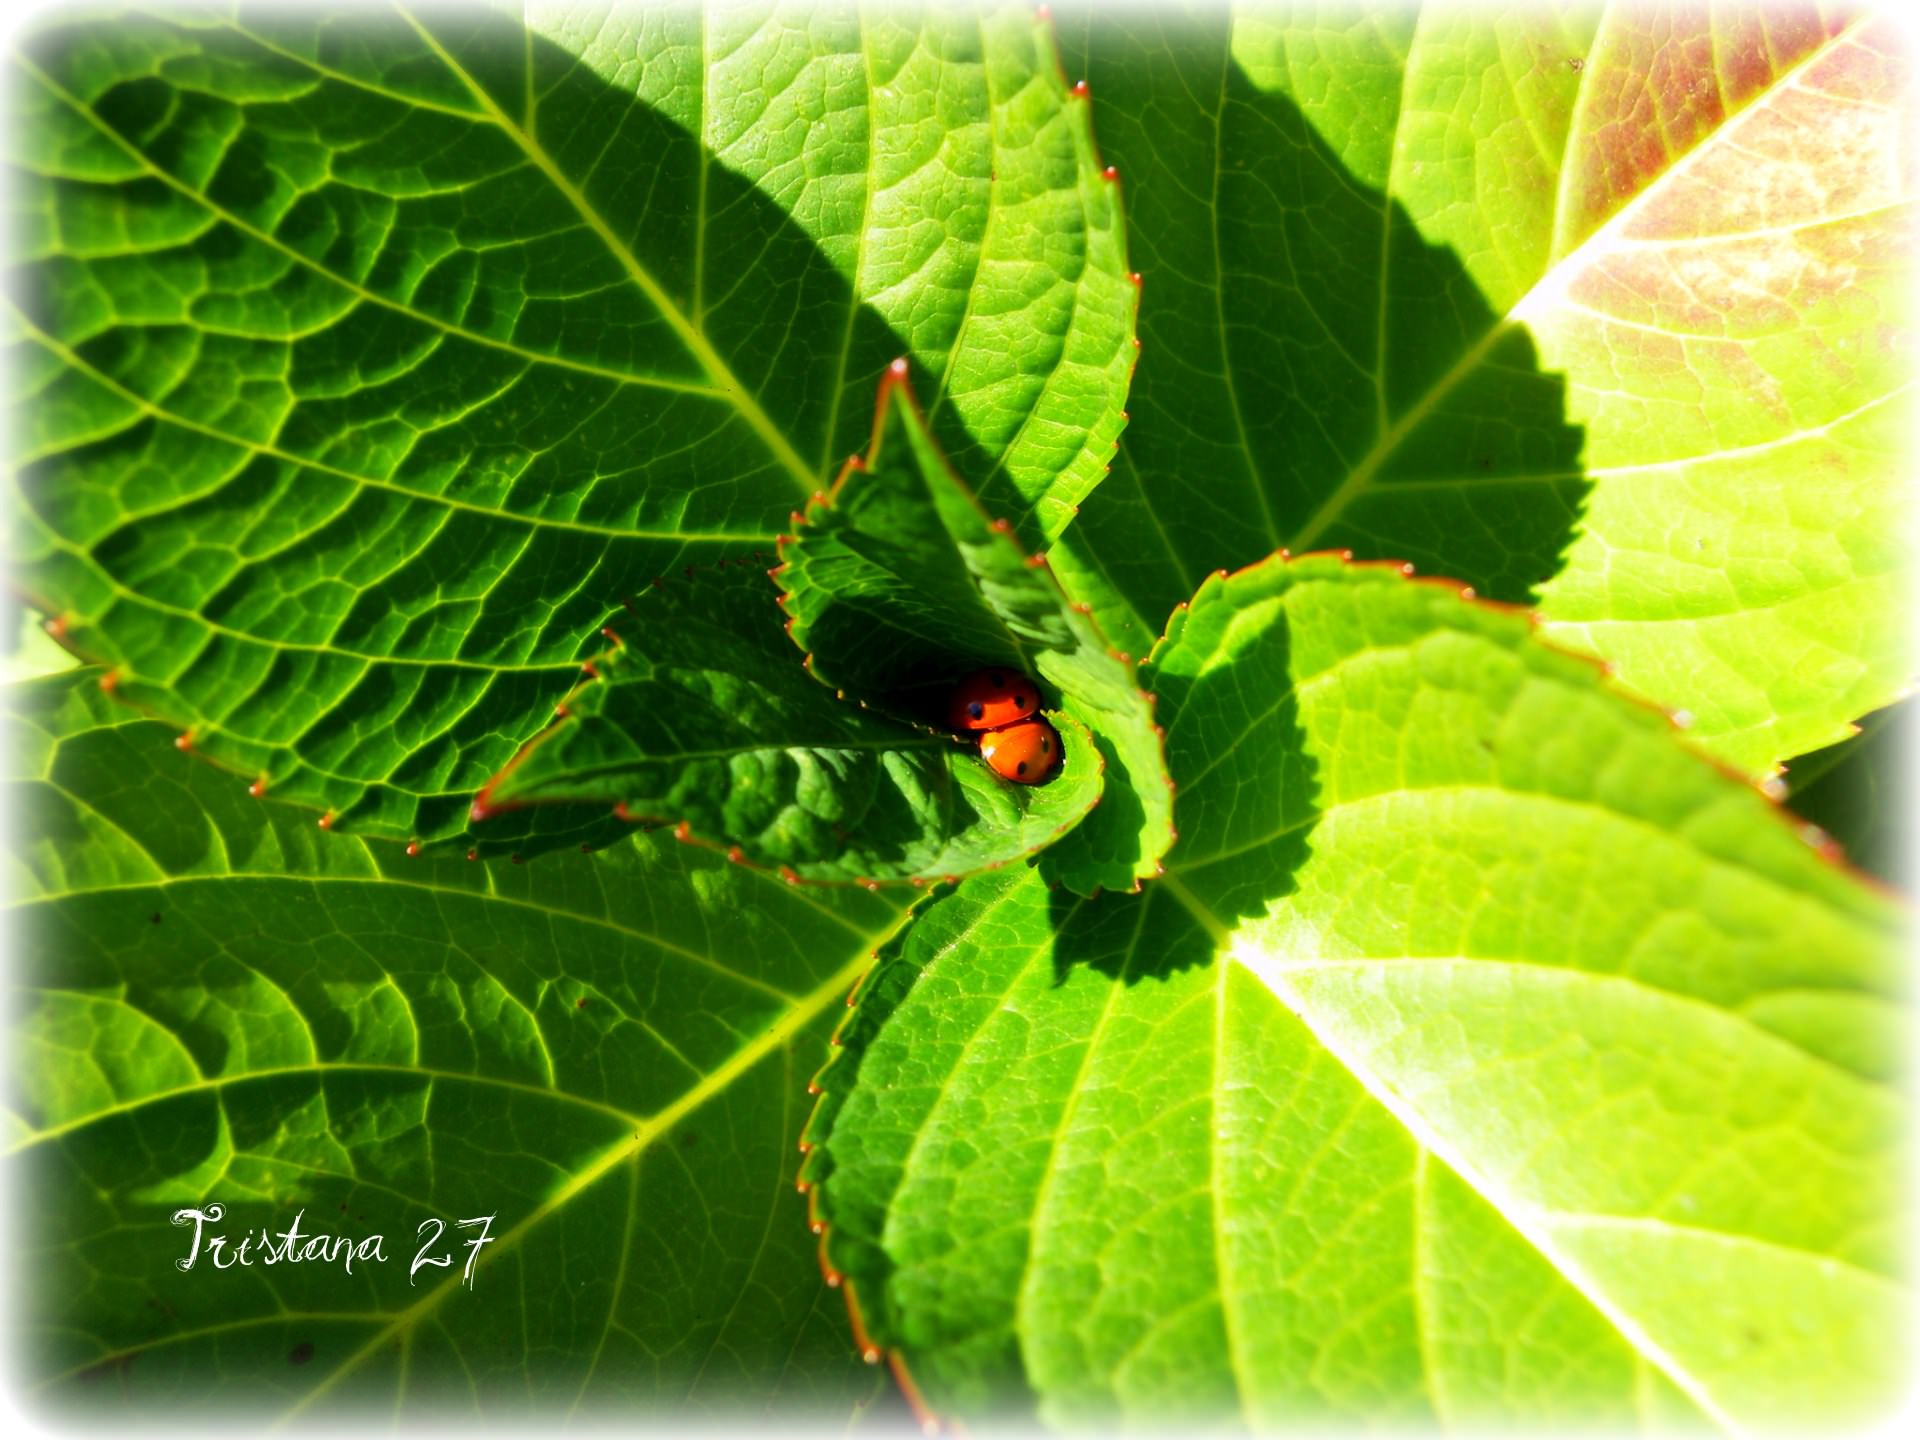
(702, 716)
(1486, 1058)
(1599, 307)
(606, 1052)
(898, 583)
(365, 356)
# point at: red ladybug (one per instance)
(988, 699)
(1025, 752)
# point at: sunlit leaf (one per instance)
(1485, 1058)
(366, 359)
(214, 1002)
(1603, 309)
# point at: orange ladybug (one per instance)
(988, 699)
(1026, 752)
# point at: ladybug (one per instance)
(988, 699)
(1025, 752)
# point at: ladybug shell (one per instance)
(988, 699)
(1025, 753)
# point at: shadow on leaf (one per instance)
(1313, 374)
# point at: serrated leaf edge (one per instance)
(1678, 721)
(896, 387)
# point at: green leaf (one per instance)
(607, 1052)
(1857, 791)
(1485, 1057)
(1589, 308)
(899, 582)
(29, 650)
(707, 720)
(366, 359)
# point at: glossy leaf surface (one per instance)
(213, 1001)
(1484, 1058)
(899, 583)
(365, 360)
(1603, 308)
(707, 721)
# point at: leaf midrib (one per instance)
(149, 408)
(253, 232)
(1427, 1141)
(1359, 479)
(1527, 1221)
(775, 1037)
(690, 335)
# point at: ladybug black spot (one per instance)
(975, 709)
(1021, 768)
(1046, 746)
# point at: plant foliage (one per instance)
(1401, 1009)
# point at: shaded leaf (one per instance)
(1485, 1057)
(705, 719)
(1857, 791)
(1602, 309)
(214, 1002)
(365, 359)
(898, 583)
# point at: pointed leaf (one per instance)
(1603, 310)
(367, 358)
(898, 583)
(703, 718)
(607, 1052)
(1485, 1058)
(1857, 791)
